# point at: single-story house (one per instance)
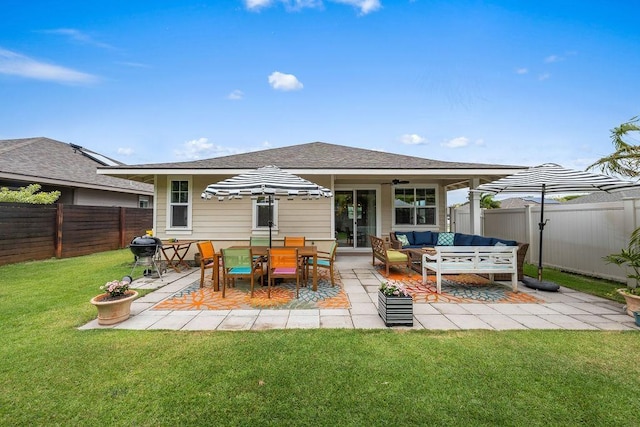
(70, 169)
(373, 193)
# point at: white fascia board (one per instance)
(78, 184)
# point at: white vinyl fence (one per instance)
(576, 236)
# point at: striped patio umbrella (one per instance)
(269, 181)
(553, 178)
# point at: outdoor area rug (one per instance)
(283, 296)
(458, 288)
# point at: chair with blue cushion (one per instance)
(239, 263)
(325, 260)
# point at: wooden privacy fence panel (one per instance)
(33, 232)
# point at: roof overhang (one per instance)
(65, 183)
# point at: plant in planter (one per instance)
(630, 257)
(395, 305)
(114, 305)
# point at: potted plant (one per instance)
(114, 305)
(395, 305)
(630, 257)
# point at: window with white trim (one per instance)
(179, 203)
(414, 206)
(261, 213)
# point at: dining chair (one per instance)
(284, 264)
(208, 260)
(294, 241)
(258, 241)
(238, 263)
(325, 260)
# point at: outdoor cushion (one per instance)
(284, 270)
(396, 255)
(240, 270)
(409, 235)
(463, 239)
(445, 239)
(483, 241)
(423, 238)
(495, 240)
(402, 239)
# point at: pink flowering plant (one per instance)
(394, 290)
(116, 288)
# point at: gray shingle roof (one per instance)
(44, 158)
(320, 155)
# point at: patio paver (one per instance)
(566, 309)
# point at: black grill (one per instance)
(145, 246)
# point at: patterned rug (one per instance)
(458, 288)
(283, 297)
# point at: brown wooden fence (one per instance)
(33, 232)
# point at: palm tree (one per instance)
(487, 202)
(625, 161)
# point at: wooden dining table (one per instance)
(303, 252)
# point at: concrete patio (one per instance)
(566, 309)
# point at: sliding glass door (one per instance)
(355, 217)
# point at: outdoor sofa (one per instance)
(429, 239)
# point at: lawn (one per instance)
(54, 374)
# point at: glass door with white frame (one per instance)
(355, 217)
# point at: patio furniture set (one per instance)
(258, 259)
(496, 258)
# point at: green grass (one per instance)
(589, 285)
(53, 374)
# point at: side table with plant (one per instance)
(395, 305)
(114, 305)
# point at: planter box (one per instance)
(395, 310)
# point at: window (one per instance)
(143, 201)
(261, 213)
(415, 206)
(179, 204)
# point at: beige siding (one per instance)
(89, 197)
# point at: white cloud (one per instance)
(236, 95)
(78, 36)
(201, 148)
(522, 71)
(125, 151)
(553, 58)
(544, 76)
(365, 6)
(412, 139)
(286, 82)
(480, 142)
(458, 142)
(19, 65)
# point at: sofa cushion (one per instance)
(483, 241)
(495, 240)
(402, 238)
(424, 238)
(463, 239)
(445, 239)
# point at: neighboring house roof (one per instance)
(316, 157)
(47, 161)
(601, 197)
(520, 202)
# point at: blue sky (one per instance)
(506, 82)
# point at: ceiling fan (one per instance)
(399, 181)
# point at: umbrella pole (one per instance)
(541, 225)
(270, 218)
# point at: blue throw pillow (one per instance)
(483, 241)
(445, 239)
(495, 242)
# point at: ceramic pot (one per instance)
(113, 311)
(633, 301)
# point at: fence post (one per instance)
(530, 232)
(59, 222)
(123, 226)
